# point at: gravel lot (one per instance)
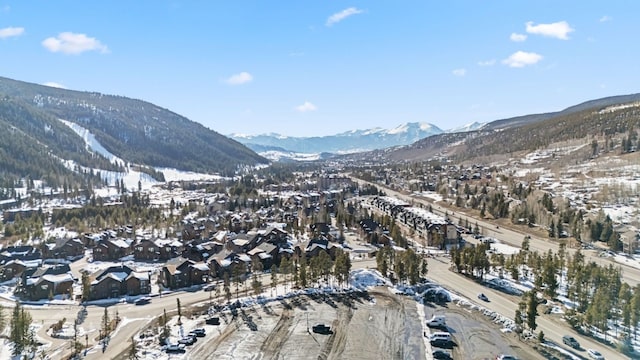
(377, 325)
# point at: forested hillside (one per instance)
(33, 142)
(136, 131)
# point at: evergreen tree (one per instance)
(179, 311)
(106, 324)
(21, 334)
(133, 350)
(532, 309)
(86, 286)
(3, 319)
(274, 278)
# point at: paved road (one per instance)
(511, 236)
(506, 305)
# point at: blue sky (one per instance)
(307, 68)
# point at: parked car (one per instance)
(595, 354)
(506, 357)
(187, 340)
(483, 297)
(441, 355)
(436, 321)
(142, 300)
(174, 348)
(441, 339)
(199, 332)
(214, 320)
(209, 287)
(321, 329)
(571, 341)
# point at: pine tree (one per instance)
(179, 311)
(3, 319)
(106, 324)
(86, 286)
(133, 350)
(21, 334)
(532, 309)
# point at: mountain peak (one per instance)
(345, 142)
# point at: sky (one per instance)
(313, 68)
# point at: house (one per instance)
(24, 253)
(222, 263)
(138, 283)
(111, 249)
(266, 253)
(117, 281)
(201, 252)
(63, 249)
(12, 269)
(275, 236)
(46, 282)
(315, 246)
(181, 272)
(48, 286)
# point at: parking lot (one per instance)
(376, 325)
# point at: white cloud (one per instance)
(11, 32)
(487, 62)
(558, 30)
(239, 79)
(605, 18)
(521, 59)
(306, 107)
(72, 43)
(459, 72)
(518, 37)
(339, 16)
(54, 84)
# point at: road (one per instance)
(506, 305)
(511, 236)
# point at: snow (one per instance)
(275, 155)
(93, 144)
(430, 195)
(467, 127)
(171, 174)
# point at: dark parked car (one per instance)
(321, 329)
(199, 332)
(142, 300)
(571, 341)
(483, 297)
(214, 320)
(441, 355)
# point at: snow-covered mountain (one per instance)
(346, 142)
(468, 127)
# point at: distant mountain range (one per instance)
(346, 142)
(593, 120)
(35, 143)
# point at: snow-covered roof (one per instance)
(120, 276)
(56, 279)
(120, 243)
(139, 275)
(201, 266)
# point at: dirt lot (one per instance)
(377, 325)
